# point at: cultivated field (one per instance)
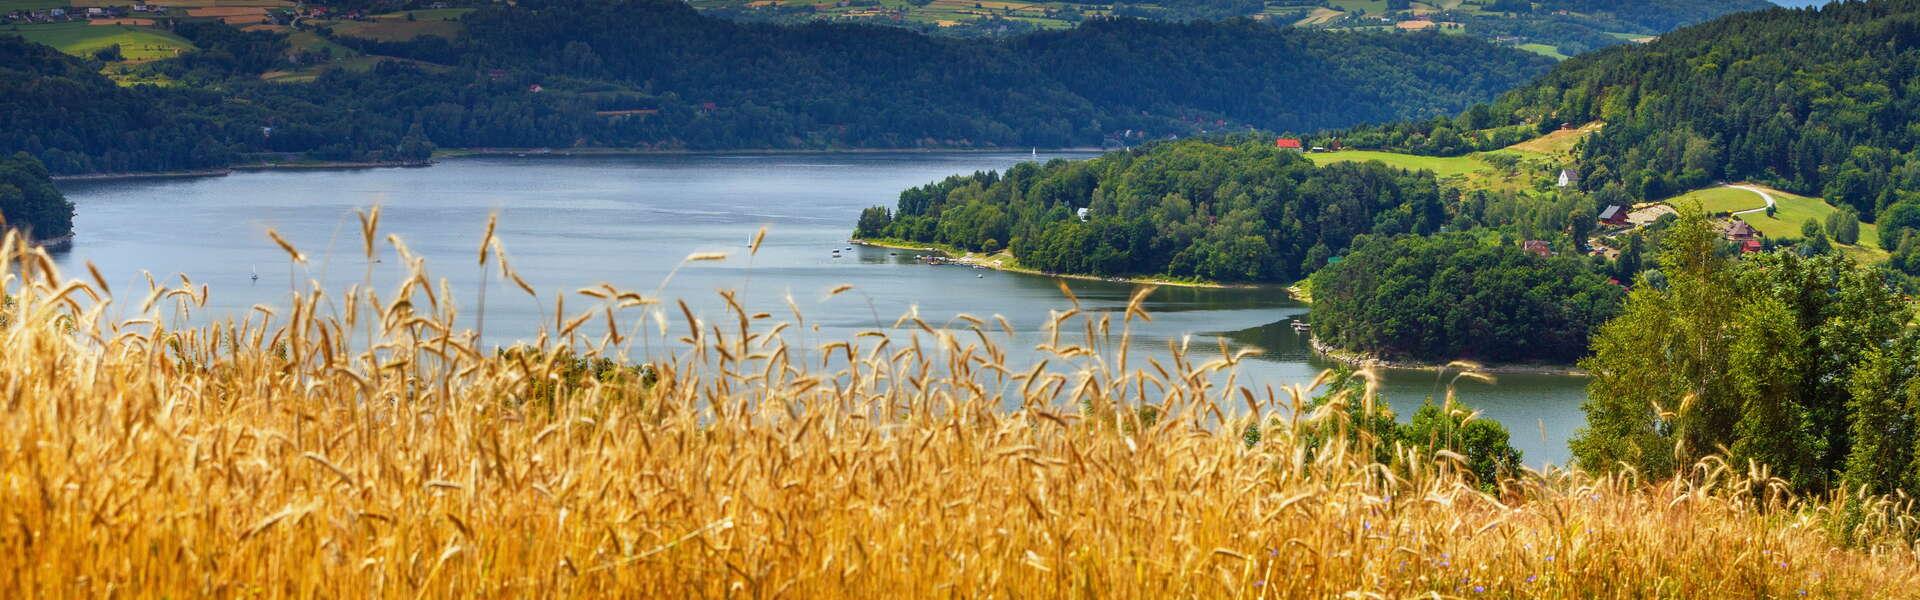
(359, 445)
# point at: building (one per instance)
(1537, 248)
(1569, 178)
(1739, 231)
(1751, 246)
(1615, 215)
(1287, 144)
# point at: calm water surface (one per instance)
(570, 223)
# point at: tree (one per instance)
(29, 201)
(1658, 398)
(873, 222)
(1781, 359)
(1843, 225)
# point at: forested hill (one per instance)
(1055, 88)
(1243, 212)
(1819, 102)
(655, 74)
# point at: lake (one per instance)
(569, 223)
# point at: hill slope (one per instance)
(658, 75)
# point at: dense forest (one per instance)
(1456, 296)
(1803, 362)
(1242, 212)
(656, 74)
(28, 200)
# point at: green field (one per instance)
(394, 27)
(1373, 7)
(1442, 166)
(7, 6)
(1544, 50)
(1792, 211)
(81, 39)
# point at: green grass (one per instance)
(1791, 211)
(1544, 50)
(7, 6)
(81, 39)
(1373, 7)
(1442, 166)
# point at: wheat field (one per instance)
(357, 445)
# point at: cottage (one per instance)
(1569, 178)
(1287, 144)
(1615, 215)
(1537, 248)
(1738, 231)
(1751, 246)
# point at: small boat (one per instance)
(980, 276)
(256, 273)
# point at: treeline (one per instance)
(656, 74)
(1457, 296)
(28, 200)
(1233, 212)
(1803, 362)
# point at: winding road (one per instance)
(1763, 195)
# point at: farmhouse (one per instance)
(1287, 143)
(1614, 215)
(1738, 231)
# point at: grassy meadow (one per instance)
(1791, 212)
(1442, 166)
(83, 39)
(358, 445)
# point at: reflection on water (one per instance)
(628, 221)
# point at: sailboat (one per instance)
(1036, 153)
(256, 272)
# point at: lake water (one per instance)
(627, 221)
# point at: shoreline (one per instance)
(1368, 361)
(976, 260)
(225, 171)
(531, 153)
(579, 152)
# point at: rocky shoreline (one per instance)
(1369, 361)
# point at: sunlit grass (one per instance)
(358, 445)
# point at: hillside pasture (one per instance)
(81, 39)
(1559, 142)
(1442, 166)
(398, 29)
(1544, 50)
(1792, 210)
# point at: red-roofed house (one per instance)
(1287, 144)
(1537, 248)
